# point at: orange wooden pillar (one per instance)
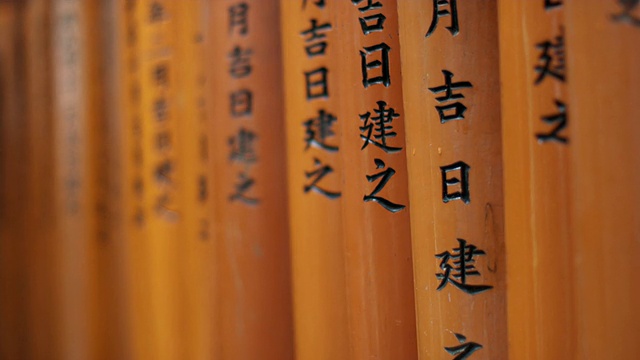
(310, 42)
(196, 243)
(160, 180)
(43, 339)
(602, 40)
(121, 190)
(375, 199)
(250, 199)
(450, 71)
(537, 172)
(74, 117)
(107, 242)
(136, 184)
(14, 137)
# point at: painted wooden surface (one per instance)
(106, 241)
(74, 115)
(455, 294)
(145, 212)
(604, 86)
(136, 185)
(160, 181)
(14, 143)
(196, 243)
(252, 232)
(313, 133)
(377, 240)
(537, 173)
(43, 338)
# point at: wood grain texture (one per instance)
(253, 274)
(377, 241)
(160, 179)
(43, 337)
(604, 86)
(196, 244)
(133, 209)
(74, 116)
(135, 183)
(537, 187)
(471, 55)
(14, 240)
(317, 252)
(108, 244)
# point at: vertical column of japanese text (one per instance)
(452, 101)
(251, 216)
(375, 196)
(536, 178)
(314, 172)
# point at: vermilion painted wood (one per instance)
(107, 244)
(537, 187)
(161, 195)
(604, 85)
(471, 55)
(43, 339)
(196, 244)
(14, 330)
(74, 116)
(317, 252)
(254, 279)
(377, 247)
(136, 213)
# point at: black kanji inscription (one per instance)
(384, 177)
(382, 62)
(463, 181)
